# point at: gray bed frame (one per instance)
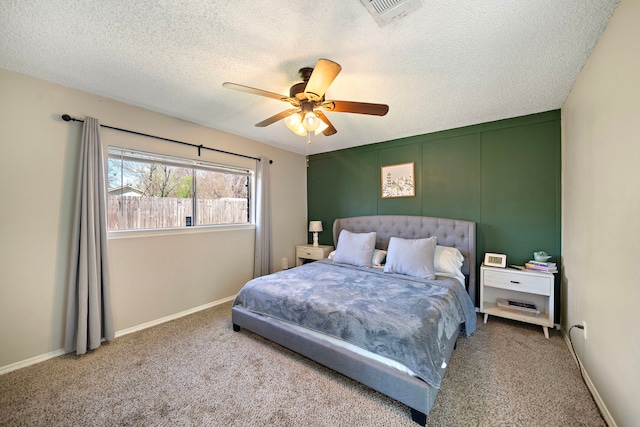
(407, 389)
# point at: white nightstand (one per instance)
(312, 252)
(503, 284)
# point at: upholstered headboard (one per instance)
(450, 232)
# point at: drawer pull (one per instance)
(515, 281)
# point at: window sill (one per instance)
(128, 234)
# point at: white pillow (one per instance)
(377, 260)
(448, 261)
(413, 257)
(355, 248)
(378, 257)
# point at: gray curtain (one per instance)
(262, 262)
(89, 317)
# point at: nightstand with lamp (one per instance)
(314, 251)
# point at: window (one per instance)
(148, 191)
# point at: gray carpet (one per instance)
(195, 371)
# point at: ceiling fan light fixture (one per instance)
(321, 128)
(293, 119)
(294, 123)
(311, 121)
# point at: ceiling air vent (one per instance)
(385, 11)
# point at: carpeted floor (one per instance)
(195, 371)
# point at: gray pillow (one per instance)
(412, 257)
(355, 248)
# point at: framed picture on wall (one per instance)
(398, 180)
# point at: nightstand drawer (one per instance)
(309, 252)
(517, 281)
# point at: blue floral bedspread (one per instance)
(403, 318)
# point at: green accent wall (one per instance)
(504, 175)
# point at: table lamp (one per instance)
(315, 227)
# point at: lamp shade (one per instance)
(315, 226)
(321, 128)
(294, 122)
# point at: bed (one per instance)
(391, 327)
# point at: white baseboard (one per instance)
(31, 361)
(592, 388)
(172, 317)
(53, 354)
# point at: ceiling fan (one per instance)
(307, 100)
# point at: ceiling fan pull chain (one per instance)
(309, 138)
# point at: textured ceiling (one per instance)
(448, 64)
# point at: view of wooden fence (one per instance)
(130, 212)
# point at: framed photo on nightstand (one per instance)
(495, 260)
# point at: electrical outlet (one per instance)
(584, 329)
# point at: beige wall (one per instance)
(154, 275)
(601, 215)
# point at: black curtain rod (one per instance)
(68, 118)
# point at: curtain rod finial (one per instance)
(66, 117)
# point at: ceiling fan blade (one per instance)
(324, 73)
(330, 130)
(275, 118)
(254, 91)
(356, 107)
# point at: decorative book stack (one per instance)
(547, 267)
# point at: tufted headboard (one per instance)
(450, 232)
